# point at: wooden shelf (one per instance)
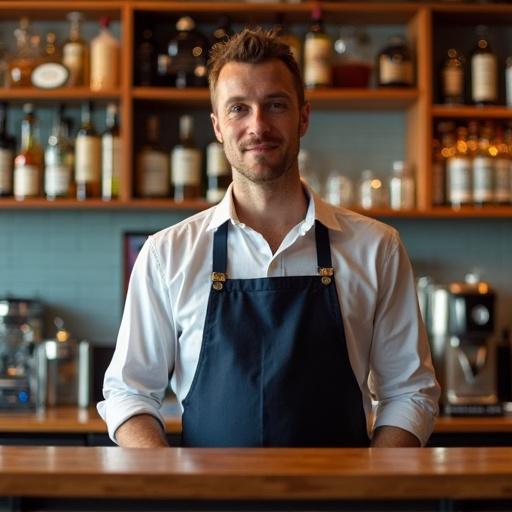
(471, 112)
(65, 93)
(357, 99)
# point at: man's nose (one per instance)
(259, 122)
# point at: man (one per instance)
(278, 316)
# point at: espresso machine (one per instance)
(460, 320)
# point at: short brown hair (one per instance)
(252, 46)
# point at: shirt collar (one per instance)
(317, 210)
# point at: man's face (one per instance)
(258, 119)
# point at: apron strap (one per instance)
(323, 246)
(220, 249)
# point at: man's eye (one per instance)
(278, 105)
(236, 109)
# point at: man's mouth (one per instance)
(261, 148)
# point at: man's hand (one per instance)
(142, 431)
(389, 437)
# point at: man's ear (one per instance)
(304, 118)
(216, 128)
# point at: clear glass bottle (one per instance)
(459, 185)
(371, 191)
(339, 190)
(484, 71)
(23, 60)
(28, 164)
(453, 76)
(187, 51)
(75, 52)
(402, 188)
(87, 157)
(146, 60)
(352, 63)
(483, 167)
(7, 144)
(503, 169)
(153, 164)
(105, 57)
(307, 171)
(59, 160)
(318, 49)
(395, 64)
(110, 155)
(186, 163)
(218, 172)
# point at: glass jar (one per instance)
(371, 191)
(307, 173)
(339, 190)
(401, 187)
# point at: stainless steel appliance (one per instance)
(460, 324)
(21, 326)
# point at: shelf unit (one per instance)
(418, 20)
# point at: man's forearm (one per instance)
(142, 431)
(389, 437)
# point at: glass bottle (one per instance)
(402, 190)
(307, 171)
(395, 65)
(110, 155)
(218, 172)
(483, 167)
(23, 61)
(75, 52)
(146, 60)
(186, 163)
(484, 71)
(7, 144)
(28, 164)
(458, 172)
(87, 157)
(371, 191)
(50, 73)
(289, 38)
(104, 58)
(153, 164)
(318, 49)
(443, 149)
(59, 159)
(4, 65)
(352, 64)
(453, 78)
(503, 169)
(187, 51)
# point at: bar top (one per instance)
(76, 420)
(257, 473)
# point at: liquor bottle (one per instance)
(458, 172)
(453, 78)
(218, 172)
(7, 144)
(110, 155)
(23, 61)
(146, 60)
(438, 174)
(503, 169)
(50, 73)
(222, 31)
(58, 159)
(484, 71)
(75, 52)
(186, 163)
(289, 38)
(87, 157)
(28, 164)
(394, 64)
(187, 51)
(447, 149)
(318, 49)
(483, 167)
(104, 58)
(153, 164)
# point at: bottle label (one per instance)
(317, 61)
(49, 75)
(459, 180)
(438, 183)
(483, 75)
(453, 81)
(483, 185)
(110, 165)
(186, 166)
(503, 184)
(87, 159)
(216, 161)
(153, 174)
(26, 181)
(104, 65)
(6, 170)
(57, 179)
(395, 71)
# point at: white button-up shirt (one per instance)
(162, 326)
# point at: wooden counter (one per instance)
(257, 474)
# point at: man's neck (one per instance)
(272, 209)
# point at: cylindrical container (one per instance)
(339, 190)
(402, 193)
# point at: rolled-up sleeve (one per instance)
(402, 377)
(137, 377)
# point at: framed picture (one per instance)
(132, 244)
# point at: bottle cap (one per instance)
(105, 21)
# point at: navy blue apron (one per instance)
(273, 368)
